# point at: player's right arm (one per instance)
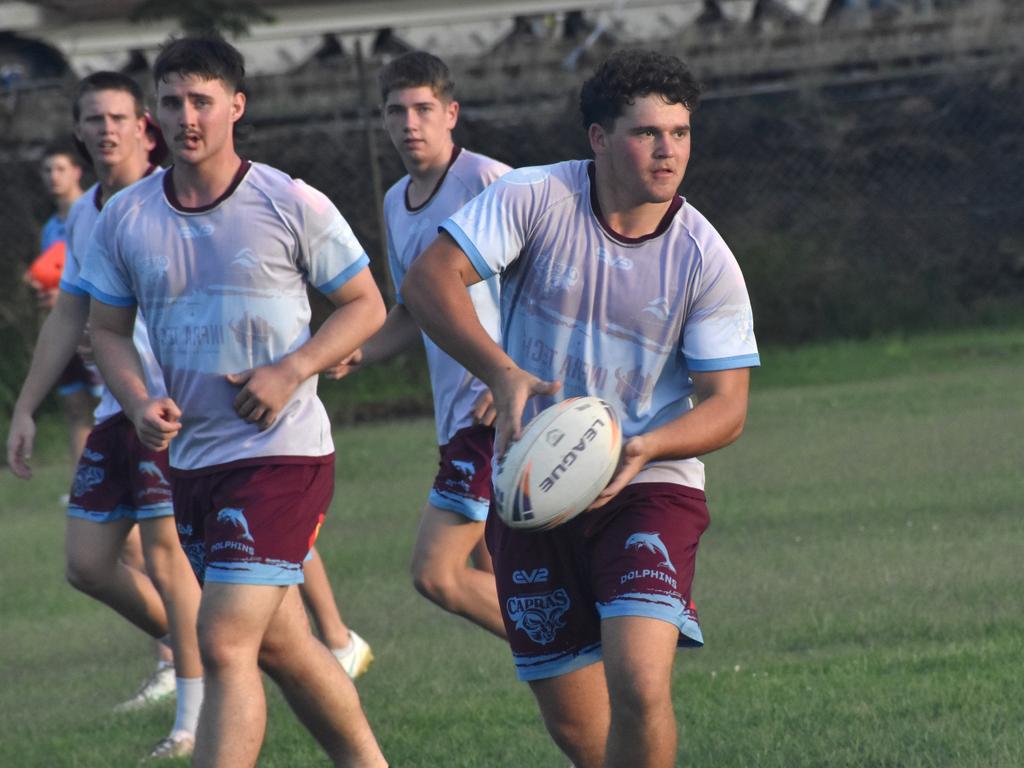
(435, 293)
(398, 333)
(55, 346)
(156, 419)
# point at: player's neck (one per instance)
(201, 184)
(625, 215)
(114, 178)
(64, 202)
(423, 179)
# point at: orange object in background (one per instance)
(44, 273)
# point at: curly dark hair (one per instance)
(208, 57)
(631, 73)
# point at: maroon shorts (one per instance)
(118, 477)
(77, 375)
(634, 557)
(252, 523)
(463, 482)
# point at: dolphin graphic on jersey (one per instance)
(236, 517)
(652, 543)
(150, 468)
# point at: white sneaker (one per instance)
(173, 746)
(356, 658)
(157, 687)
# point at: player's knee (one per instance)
(434, 584)
(640, 699)
(86, 574)
(220, 650)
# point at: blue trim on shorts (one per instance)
(652, 606)
(555, 664)
(470, 507)
(346, 274)
(468, 247)
(121, 512)
(69, 389)
(260, 574)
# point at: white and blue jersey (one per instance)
(81, 220)
(223, 288)
(409, 232)
(625, 319)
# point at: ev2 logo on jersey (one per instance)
(533, 576)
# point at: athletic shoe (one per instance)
(356, 658)
(157, 687)
(173, 746)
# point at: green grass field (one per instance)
(859, 589)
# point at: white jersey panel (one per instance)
(224, 290)
(625, 320)
(81, 220)
(409, 233)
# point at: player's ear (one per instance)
(453, 113)
(237, 106)
(598, 138)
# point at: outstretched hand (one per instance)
(345, 366)
(20, 439)
(511, 392)
(632, 459)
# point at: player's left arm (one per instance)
(715, 421)
(359, 313)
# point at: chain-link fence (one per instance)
(854, 207)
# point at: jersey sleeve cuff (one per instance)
(462, 240)
(724, 363)
(74, 290)
(106, 298)
(347, 274)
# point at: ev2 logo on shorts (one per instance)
(533, 576)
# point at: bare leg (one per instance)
(316, 687)
(78, 407)
(576, 713)
(638, 655)
(131, 555)
(178, 588)
(319, 598)
(441, 574)
(94, 566)
(234, 621)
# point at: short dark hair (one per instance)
(628, 74)
(62, 148)
(413, 70)
(108, 81)
(209, 57)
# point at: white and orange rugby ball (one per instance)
(563, 460)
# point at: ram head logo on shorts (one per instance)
(539, 616)
(236, 518)
(86, 478)
(652, 543)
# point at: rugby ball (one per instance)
(563, 460)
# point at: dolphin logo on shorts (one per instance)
(466, 468)
(236, 518)
(652, 543)
(150, 468)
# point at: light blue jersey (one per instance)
(624, 319)
(54, 230)
(410, 231)
(81, 220)
(223, 289)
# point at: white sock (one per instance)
(190, 701)
(343, 652)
